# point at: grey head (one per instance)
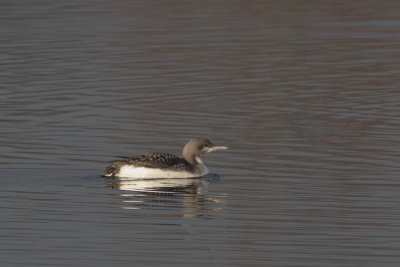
(195, 148)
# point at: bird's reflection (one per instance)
(171, 192)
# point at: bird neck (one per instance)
(192, 158)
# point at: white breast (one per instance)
(130, 171)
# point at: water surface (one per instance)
(305, 95)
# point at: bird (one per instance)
(164, 165)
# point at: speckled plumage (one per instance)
(164, 165)
(163, 161)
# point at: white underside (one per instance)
(131, 171)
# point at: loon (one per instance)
(164, 165)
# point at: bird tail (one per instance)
(112, 169)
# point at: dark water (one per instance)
(305, 94)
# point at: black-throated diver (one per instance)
(164, 165)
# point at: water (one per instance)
(305, 95)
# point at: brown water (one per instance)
(305, 94)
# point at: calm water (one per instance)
(305, 94)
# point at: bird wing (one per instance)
(159, 160)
